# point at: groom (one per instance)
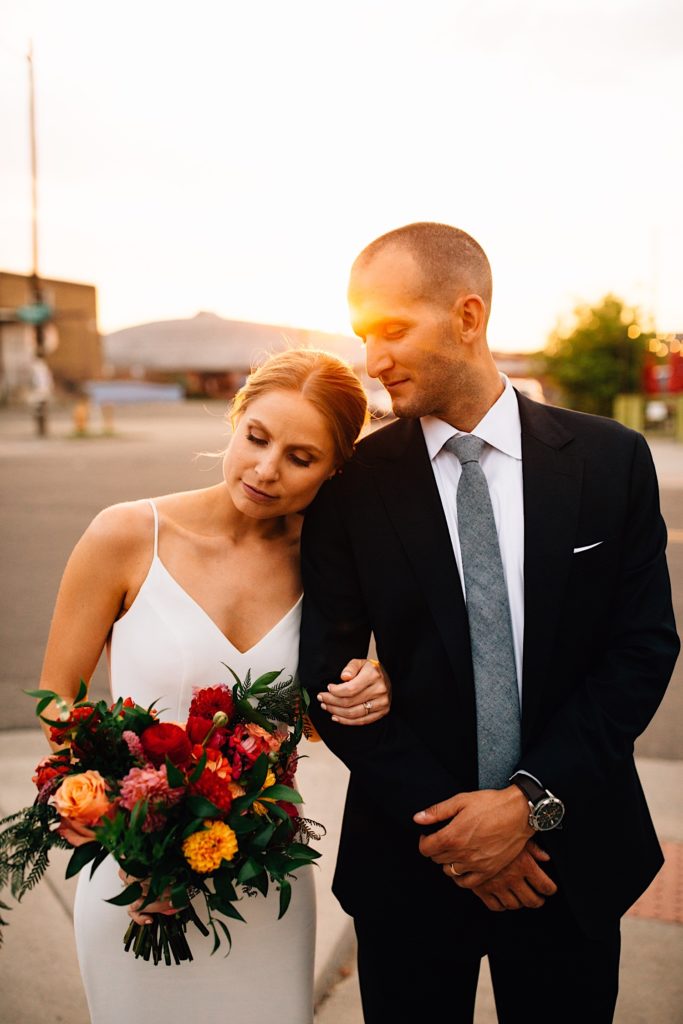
(509, 558)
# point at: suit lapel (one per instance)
(406, 483)
(552, 492)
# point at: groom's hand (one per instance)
(486, 830)
(523, 883)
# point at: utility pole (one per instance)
(43, 378)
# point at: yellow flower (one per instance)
(204, 850)
(267, 783)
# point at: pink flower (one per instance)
(133, 743)
(149, 784)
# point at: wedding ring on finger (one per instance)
(367, 704)
(451, 868)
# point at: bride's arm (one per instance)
(91, 594)
(363, 698)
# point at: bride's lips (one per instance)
(260, 496)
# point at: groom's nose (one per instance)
(377, 356)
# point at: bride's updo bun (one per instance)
(325, 380)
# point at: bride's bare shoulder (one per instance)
(122, 529)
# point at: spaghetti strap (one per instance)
(156, 527)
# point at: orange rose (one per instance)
(83, 798)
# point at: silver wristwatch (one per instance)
(546, 811)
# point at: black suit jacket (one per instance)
(599, 648)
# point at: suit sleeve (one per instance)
(388, 757)
(593, 733)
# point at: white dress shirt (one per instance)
(501, 462)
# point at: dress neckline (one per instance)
(248, 650)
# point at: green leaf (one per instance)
(285, 897)
(222, 883)
(102, 855)
(42, 693)
(264, 681)
(276, 862)
(280, 812)
(226, 908)
(129, 895)
(262, 838)
(179, 897)
(258, 773)
(243, 803)
(260, 883)
(302, 850)
(250, 869)
(138, 813)
(81, 856)
(174, 775)
(201, 807)
(280, 792)
(82, 691)
(201, 764)
(222, 925)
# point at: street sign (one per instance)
(34, 313)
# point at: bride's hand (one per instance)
(161, 906)
(75, 832)
(362, 698)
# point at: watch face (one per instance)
(548, 814)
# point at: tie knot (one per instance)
(466, 447)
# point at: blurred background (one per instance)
(184, 187)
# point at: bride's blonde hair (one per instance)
(325, 380)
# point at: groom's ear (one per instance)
(469, 313)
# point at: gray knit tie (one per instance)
(488, 611)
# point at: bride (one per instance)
(174, 587)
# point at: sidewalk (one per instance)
(39, 959)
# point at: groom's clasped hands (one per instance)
(486, 846)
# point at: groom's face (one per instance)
(412, 344)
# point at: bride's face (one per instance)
(280, 453)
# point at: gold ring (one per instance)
(367, 704)
(456, 874)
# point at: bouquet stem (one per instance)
(164, 937)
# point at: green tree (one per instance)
(598, 355)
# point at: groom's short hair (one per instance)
(448, 258)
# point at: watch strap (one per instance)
(530, 787)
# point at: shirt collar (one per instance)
(500, 426)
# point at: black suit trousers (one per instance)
(543, 966)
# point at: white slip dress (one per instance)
(162, 648)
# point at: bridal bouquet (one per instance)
(203, 809)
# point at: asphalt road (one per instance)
(50, 489)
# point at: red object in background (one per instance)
(656, 378)
(663, 378)
(676, 377)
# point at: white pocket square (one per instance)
(588, 547)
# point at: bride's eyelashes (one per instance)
(296, 459)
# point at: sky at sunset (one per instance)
(234, 157)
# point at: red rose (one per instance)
(290, 808)
(166, 740)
